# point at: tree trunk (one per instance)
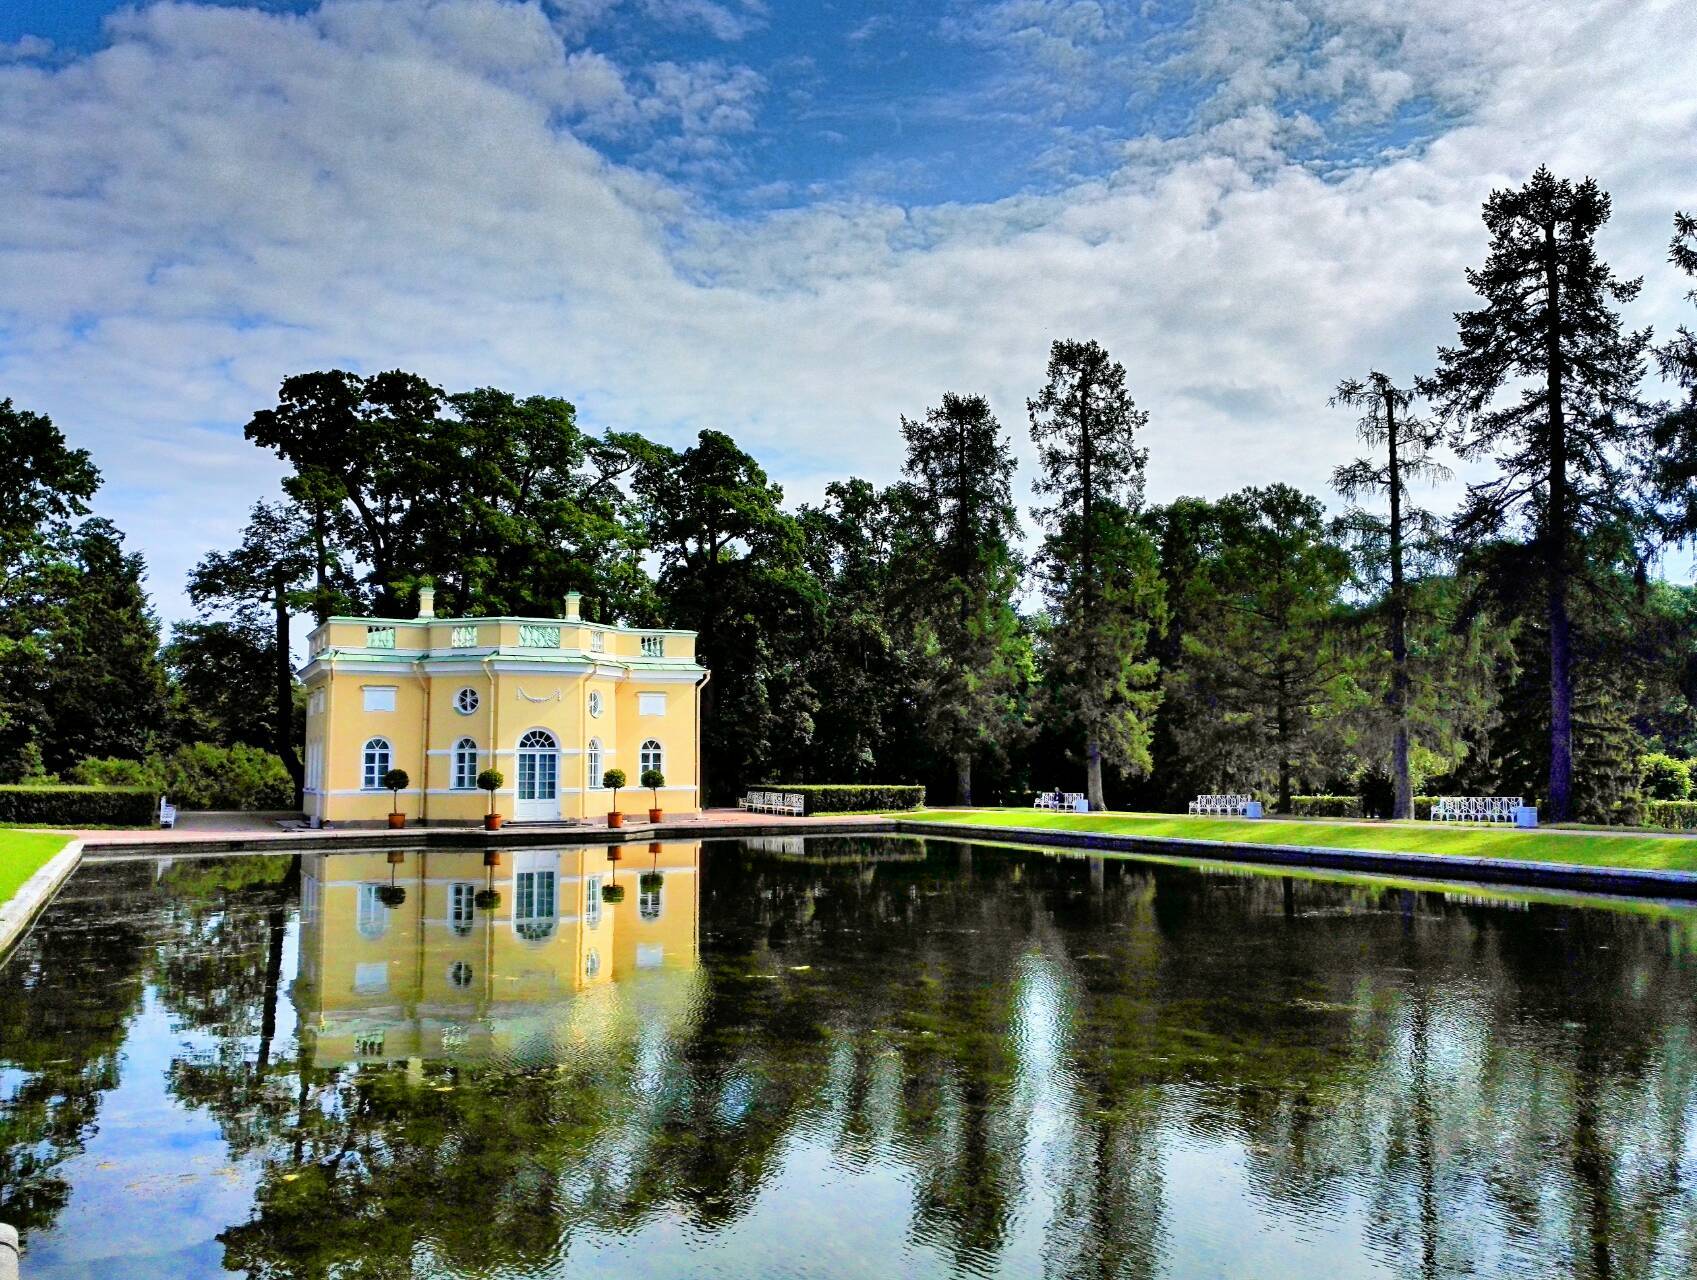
(1402, 783)
(1093, 776)
(275, 923)
(1282, 730)
(963, 778)
(1556, 557)
(284, 731)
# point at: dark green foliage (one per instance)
(201, 775)
(612, 894)
(853, 798)
(1326, 806)
(1674, 436)
(73, 806)
(1544, 383)
(221, 684)
(1105, 597)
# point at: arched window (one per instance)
(462, 906)
(591, 963)
(648, 900)
(377, 756)
(465, 765)
(652, 757)
(592, 765)
(591, 902)
(536, 908)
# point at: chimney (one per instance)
(427, 602)
(574, 607)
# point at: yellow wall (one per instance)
(381, 983)
(519, 687)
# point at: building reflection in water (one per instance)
(481, 955)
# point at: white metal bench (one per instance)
(167, 813)
(1061, 801)
(790, 803)
(1226, 806)
(1480, 809)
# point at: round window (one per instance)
(465, 701)
(595, 705)
(459, 974)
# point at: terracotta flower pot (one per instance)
(656, 815)
(491, 857)
(491, 822)
(396, 857)
(615, 819)
(397, 821)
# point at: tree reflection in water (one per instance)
(873, 1057)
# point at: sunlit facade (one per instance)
(472, 960)
(551, 703)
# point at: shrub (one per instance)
(396, 781)
(491, 780)
(204, 776)
(853, 797)
(1325, 806)
(613, 779)
(1674, 815)
(114, 772)
(71, 806)
(1664, 777)
(653, 779)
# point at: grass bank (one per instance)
(1596, 849)
(22, 854)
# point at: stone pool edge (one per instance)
(33, 895)
(1625, 881)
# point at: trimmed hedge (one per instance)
(851, 797)
(1674, 815)
(1325, 806)
(69, 806)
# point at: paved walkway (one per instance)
(214, 827)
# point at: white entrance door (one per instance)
(538, 797)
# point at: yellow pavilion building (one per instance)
(552, 703)
(491, 954)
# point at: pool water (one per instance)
(862, 1057)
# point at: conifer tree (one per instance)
(1676, 431)
(1544, 381)
(1388, 546)
(1098, 566)
(960, 579)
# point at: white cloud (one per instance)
(221, 198)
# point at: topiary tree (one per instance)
(490, 780)
(653, 779)
(394, 782)
(614, 779)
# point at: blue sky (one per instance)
(793, 222)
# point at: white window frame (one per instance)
(650, 750)
(598, 642)
(467, 701)
(462, 907)
(596, 704)
(460, 975)
(592, 758)
(536, 904)
(592, 902)
(591, 963)
(377, 757)
(370, 917)
(464, 773)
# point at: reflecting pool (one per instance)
(841, 1058)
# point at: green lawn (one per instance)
(22, 854)
(1659, 853)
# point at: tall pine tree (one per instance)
(961, 574)
(1099, 567)
(1544, 381)
(1389, 545)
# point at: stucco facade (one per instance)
(552, 703)
(438, 976)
